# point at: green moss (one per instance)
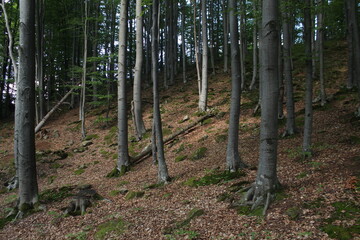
(56, 165)
(91, 136)
(61, 154)
(6, 220)
(220, 138)
(223, 197)
(214, 178)
(154, 185)
(207, 121)
(132, 194)
(114, 193)
(337, 232)
(194, 213)
(118, 173)
(246, 210)
(111, 137)
(236, 187)
(180, 158)
(293, 213)
(166, 131)
(117, 226)
(301, 175)
(56, 194)
(199, 153)
(79, 171)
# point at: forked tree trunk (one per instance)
(123, 154)
(204, 61)
(138, 119)
(266, 181)
(309, 84)
(233, 160)
(163, 175)
(25, 109)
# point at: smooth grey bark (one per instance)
(281, 82)
(138, 119)
(309, 84)
(255, 47)
(204, 61)
(196, 50)
(83, 80)
(183, 19)
(350, 82)
(353, 43)
(211, 38)
(226, 35)
(321, 4)
(266, 181)
(290, 106)
(123, 153)
(39, 11)
(233, 160)
(243, 46)
(163, 175)
(25, 109)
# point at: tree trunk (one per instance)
(266, 181)
(350, 83)
(183, 18)
(211, 38)
(290, 107)
(197, 51)
(25, 109)
(321, 5)
(243, 42)
(163, 175)
(226, 35)
(204, 72)
(123, 154)
(138, 119)
(233, 160)
(83, 81)
(255, 47)
(309, 84)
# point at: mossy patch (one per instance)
(79, 171)
(154, 186)
(114, 193)
(56, 194)
(194, 213)
(214, 178)
(180, 158)
(317, 203)
(246, 210)
(117, 226)
(132, 194)
(224, 197)
(293, 213)
(221, 138)
(91, 136)
(337, 232)
(236, 187)
(118, 173)
(199, 153)
(6, 220)
(111, 137)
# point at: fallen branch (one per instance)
(42, 122)
(148, 149)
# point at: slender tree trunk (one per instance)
(243, 42)
(211, 38)
(233, 160)
(183, 19)
(309, 84)
(197, 51)
(83, 81)
(139, 123)
(123, 154)
(290, 107)
(255, 47)
(163, 171)
(281, 82)
(266, 181)
(226, 35)
(25, 109)
(204, 72)
(350, 83)
(321, 4)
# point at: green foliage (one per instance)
(214, 178)
(132, 194)
(199, 153)
(114, 193)
(180, 158)
(56, 194)
(116, 226)
(6, 220)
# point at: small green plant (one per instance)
(114, 193)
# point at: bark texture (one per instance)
(204, 61)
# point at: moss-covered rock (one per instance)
(214, 178)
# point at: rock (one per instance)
(186, 118)
(86, 143)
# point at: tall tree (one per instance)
(321, 28)
(309, 75)
(183, 23)
(290, 107)
(163, 175)
(233, 160)
(204, 61)
(266, 180)
(25, 109)
(123, 154)
(138, 119)
(83, 80)
(226, 34)
(255, 47)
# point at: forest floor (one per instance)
(319, 200)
